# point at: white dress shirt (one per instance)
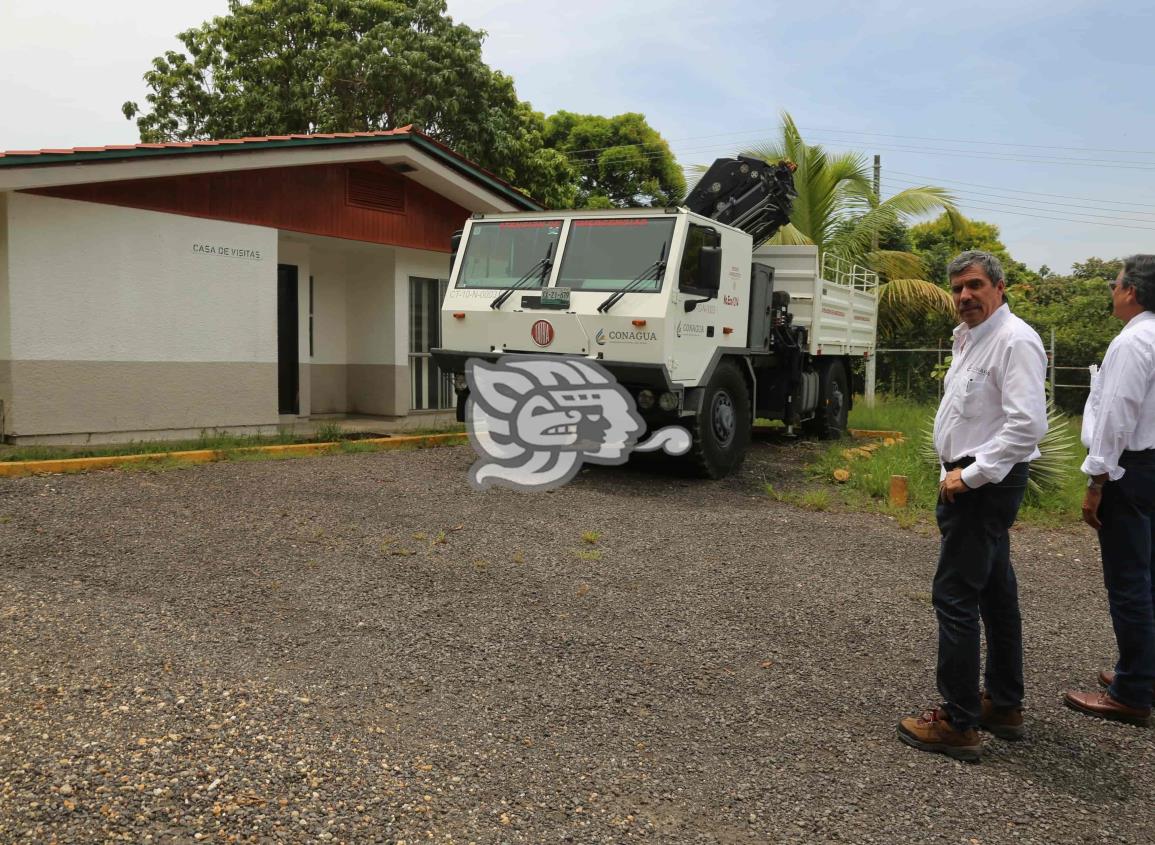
(1120, 412)
(994, 404)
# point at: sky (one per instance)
(1034, 113)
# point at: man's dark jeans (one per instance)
(1127, 513)
(975, 580)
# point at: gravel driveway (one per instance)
(359, 648)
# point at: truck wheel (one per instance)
(721, 428)
(829, 421)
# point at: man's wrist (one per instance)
(1097, 482)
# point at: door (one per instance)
(430, 389)
(288, 331)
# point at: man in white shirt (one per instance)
(1119, 433)
(988, 426)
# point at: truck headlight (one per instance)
(645, 399)
(668, 401)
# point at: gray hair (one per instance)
(991, 266)
(1139, 273)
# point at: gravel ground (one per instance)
(359, 648)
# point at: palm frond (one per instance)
(903, 301)
(1049, 471)
(895, 264)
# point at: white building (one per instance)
(159, 290)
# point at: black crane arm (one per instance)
(746, 193)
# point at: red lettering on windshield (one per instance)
(529, 224)
(626, 222)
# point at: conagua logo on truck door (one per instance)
(533, 419)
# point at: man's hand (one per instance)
(1091, 507)
(952, 485)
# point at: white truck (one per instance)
(707, 328)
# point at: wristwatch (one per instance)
(1093, 484)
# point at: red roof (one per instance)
(178, 148)
(177, 145)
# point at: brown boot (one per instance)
(932, 732)
(1101, 704)
(1005, 724)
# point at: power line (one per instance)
(1015, 191)
(993, 200)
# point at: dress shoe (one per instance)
(1107, 677)
(1101, 704)
(1003, 723)
(933, 732)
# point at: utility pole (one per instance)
(871, 371)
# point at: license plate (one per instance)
(555, 297)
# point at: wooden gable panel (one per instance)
(365, 201)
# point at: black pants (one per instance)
(1127, 541)
(975, 580)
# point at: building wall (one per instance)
(128, 321)
(329, 359)
(5, 323)
(374, 371)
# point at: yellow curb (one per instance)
(869, 434)
(18, 469)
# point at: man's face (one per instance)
(975, 296)
(1122, 299)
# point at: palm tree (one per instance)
(837, 210)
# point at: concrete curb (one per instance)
(19, 469)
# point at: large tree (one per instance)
(837, 210)
(273, 67)
(621, 161)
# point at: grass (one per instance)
(868, 486)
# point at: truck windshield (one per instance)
(500, 253)
(606, 254)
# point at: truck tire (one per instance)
(721, 428)
(829, 421)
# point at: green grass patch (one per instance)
(868, 487)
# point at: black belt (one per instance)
(965, 461)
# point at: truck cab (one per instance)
(674, 304)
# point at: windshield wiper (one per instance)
(543, 264)
(655, 270)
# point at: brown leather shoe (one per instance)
(1101, 704)
(1005, 724)
(932, 732)
(1107, 677)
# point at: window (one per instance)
(696, 238)
(607, 254)
(499, 254)
(429, 388)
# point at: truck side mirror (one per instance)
(454, 245)
(710, 269)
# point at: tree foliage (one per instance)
(272, 67)
(621, 161)
(940, 240)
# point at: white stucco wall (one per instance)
(329, 309)
(371, 315)
(92, 282)
(5, 332)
